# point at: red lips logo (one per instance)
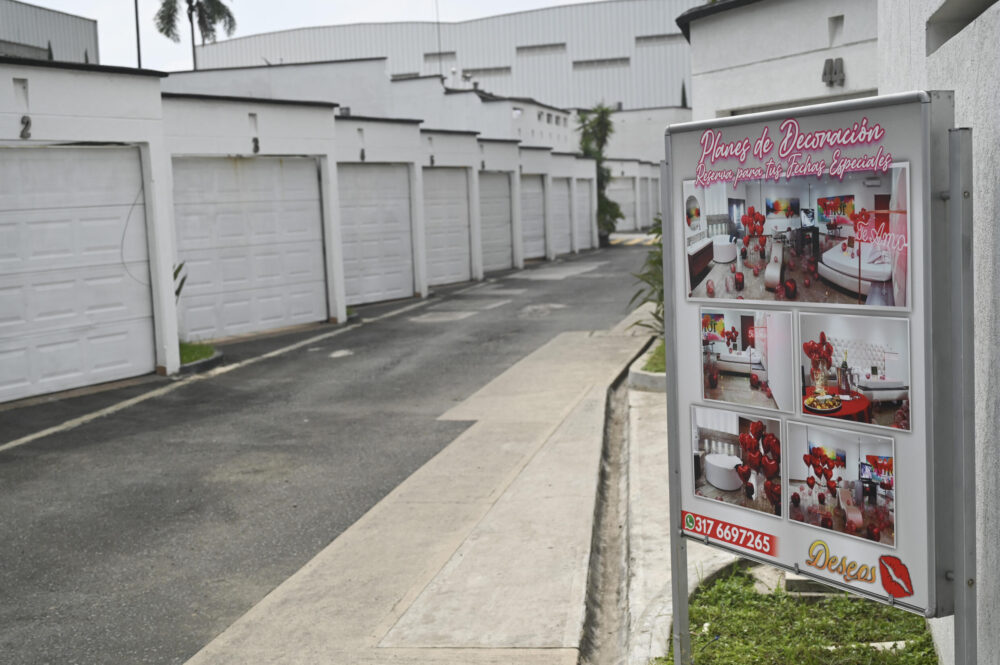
(895, 576)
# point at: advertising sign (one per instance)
(797, 260)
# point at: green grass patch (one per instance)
(193, 352)
(749, 628)
(657, 360)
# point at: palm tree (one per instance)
(596, 128)
(207, 13)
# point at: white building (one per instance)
(621, 52)
(27, 31)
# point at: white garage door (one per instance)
(622, 192)
(647, 210)
(375, 231)
(584, 213)
(75, 301)
(561, 223)
(495, 216)
(533, 216)
(446, 213)
(250, 234)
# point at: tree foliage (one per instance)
(596, 128)
(209, 15)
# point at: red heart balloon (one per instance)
(771, 467)
(822, 337)
(821, 498)
(747, 442)
(818, 470)
(828, 472)
(754, 459)
(811, 482)
(807, 458)
(743, 471)
(757, 429)
(832, 486)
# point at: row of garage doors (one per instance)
(75, 298)
(638, 211)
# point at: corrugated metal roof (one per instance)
(72, 38)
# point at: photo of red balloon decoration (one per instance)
(762, 456)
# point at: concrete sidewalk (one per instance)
(482, 555)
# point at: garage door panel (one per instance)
(61, 359)
(75, 299)
(251, 310)
(533, 216)
(622, 191)
(446, 206)
(584, 213)
(54, 178)
(39, 240)
(251, 242)
(375, 229)
(561, 239)
(35, 303)
(496, 220)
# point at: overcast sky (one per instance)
(116, 20)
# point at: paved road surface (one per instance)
(139, 536)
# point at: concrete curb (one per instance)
(199, 366)
(640, 379)
(650, 608)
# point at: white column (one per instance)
(419, 234)
(158, 189)
(336, 295)
(516, 225)
(475, 224)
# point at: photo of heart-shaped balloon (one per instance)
(747, 442)
(771, 445)
(771, 467)
(743, 471)
(807, 458)
(754, 459)
(832, 486)
(811, 482)
(757, 429)
(796, 499)
(773, 491)
(828, 472)
(821, 498)
(818, 471)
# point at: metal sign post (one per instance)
(817, 314)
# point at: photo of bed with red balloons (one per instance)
(817, 240)
(842, 481)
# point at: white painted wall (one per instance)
(639, 134)
(212, 127)
(770, 54)
(107, 105)
(969, 64)
(361, 84)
